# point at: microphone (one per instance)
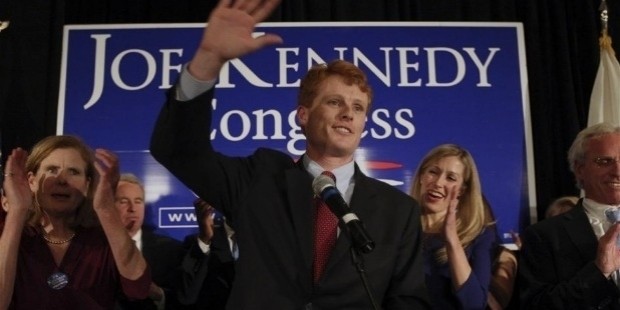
(325, 188)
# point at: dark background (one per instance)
(561, 39)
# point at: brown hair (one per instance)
(85, 215)
(351, 74)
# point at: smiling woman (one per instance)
(459, 236)
(51, 245)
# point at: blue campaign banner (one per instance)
(434, 83)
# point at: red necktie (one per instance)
(325, 230)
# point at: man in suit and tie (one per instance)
(571, 261)
(208, 266)
(162, 253)
(268, 196)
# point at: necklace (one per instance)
(48, 240)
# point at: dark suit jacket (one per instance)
(557, 268)
(207, 279)
(164, 255)
(268, 198)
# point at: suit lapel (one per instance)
(300, 194)
(147, 244)
(579, 231)
(298, 184)
(221, 246)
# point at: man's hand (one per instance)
(608, 253)
(205, 214)
(156, 293)
(229, 35)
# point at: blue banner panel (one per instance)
(434, 83)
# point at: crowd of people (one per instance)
(72, 233)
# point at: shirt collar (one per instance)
(595, 207)
(137, 238)
(344, 173)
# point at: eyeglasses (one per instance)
(605, 161)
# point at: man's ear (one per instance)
(302, 115)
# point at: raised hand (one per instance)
(129, 261)
(108, 175)
(449, 231)
(608, 253)
(205, 214)
(16, 188)
(229, 35)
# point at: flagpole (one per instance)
(605, 97)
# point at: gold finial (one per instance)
(4, 24)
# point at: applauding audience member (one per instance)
(53, 255)
(208, 266)
(162, 253)
(571, 261)
(459, 239)
(503, 274)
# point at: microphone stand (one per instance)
(358, 262)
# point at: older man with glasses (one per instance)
(571, 261)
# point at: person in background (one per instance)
(503, 273)
(571, 261)
(54, 252)
(4, 209)
(503, 280)
(208, 267)
(162, 253)
(516, 238)
(268, 196)
(561, 205)
(3, 201)
(459, 234)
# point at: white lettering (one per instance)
(432, 67)
(246, 72)
(387, 129)
(284, 66)
(213, 130)
(407, 123)
(381, 126)
(359, 57)
(260, 125)
(313, 59)
(167, 68)
(190, 217)
(175, 217)
(295, 136)
(150, 65)
(245, 125)
(179, 217)
(405, 65)
(99, 70)
(482, 68)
